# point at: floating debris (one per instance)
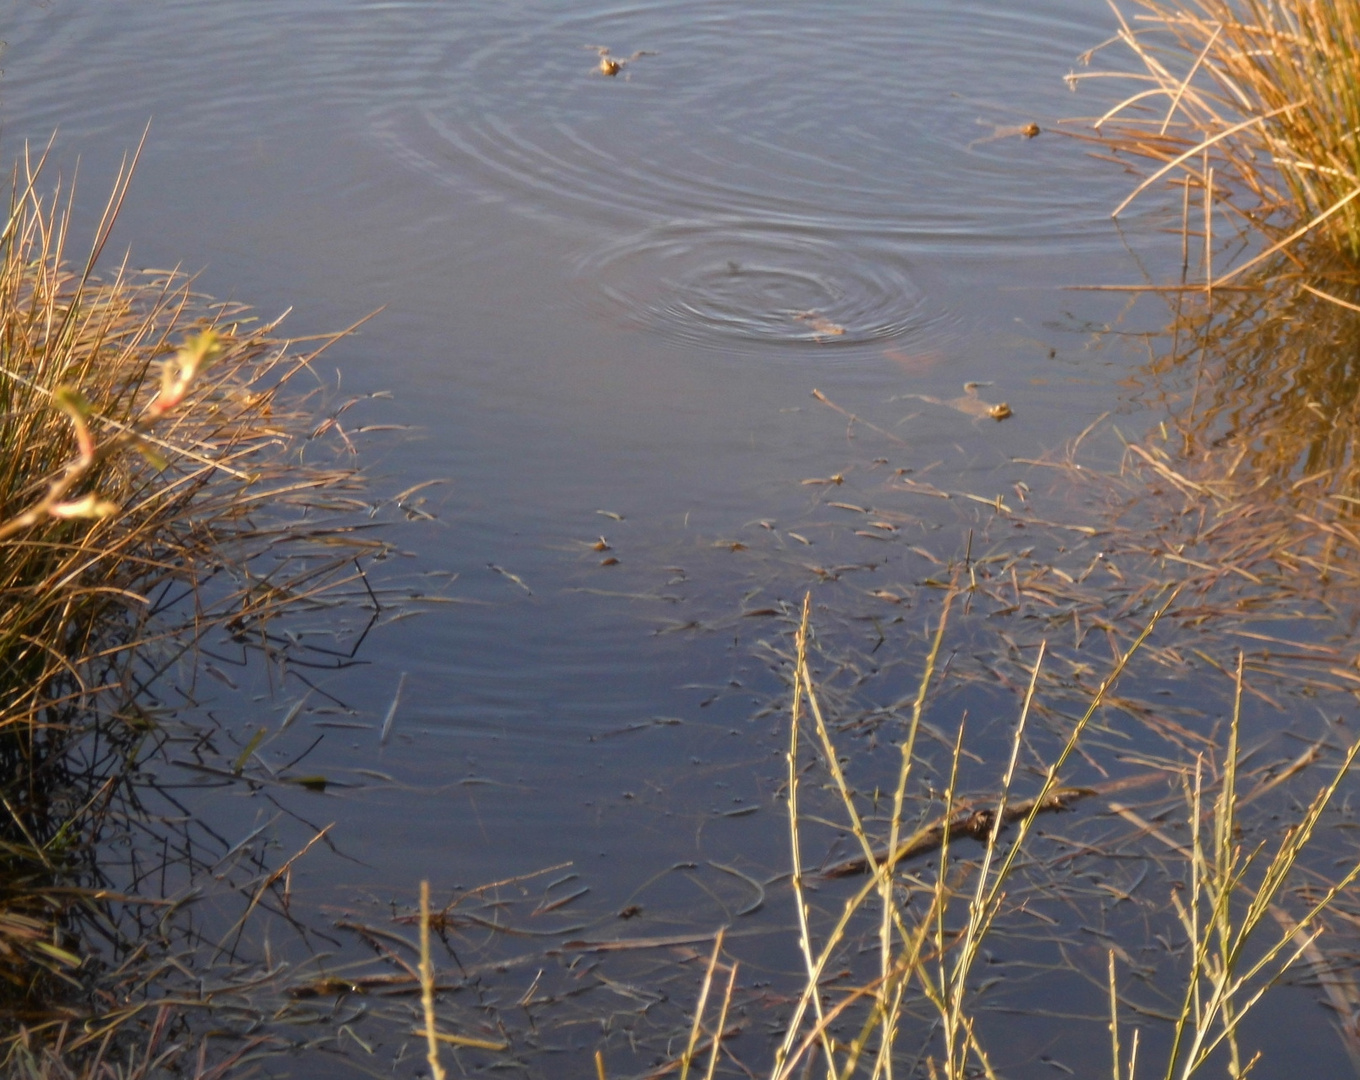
(509, 576)
(392, 711)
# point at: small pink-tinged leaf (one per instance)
(70, 401)
(91, 506)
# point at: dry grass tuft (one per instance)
(1243, 918)
(926, 944)
(1253, 103)
(156, 482)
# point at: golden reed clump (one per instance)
(152, 454)
(1253, 103)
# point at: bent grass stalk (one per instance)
(943, 968)
(1223, 985)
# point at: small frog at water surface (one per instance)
(1026, 131)
(612, 65)
(970, 404)
(820, 324)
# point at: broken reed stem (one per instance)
(795, 733)
(722, 1021)
(427, 986)
(696, 1028)
(1208, 230)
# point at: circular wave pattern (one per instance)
(730, 284)
(862, 116)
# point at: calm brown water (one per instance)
(603, 294)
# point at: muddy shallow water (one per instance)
(606, 303)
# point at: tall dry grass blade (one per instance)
(1069, 746)
(1114, 1024)
(800, 900)
(982, 908)
(1193, 152)
(696, 1029)
(1293, 237)
(721, 1028)
(907, 750)
(427, 987)
(791, 1049)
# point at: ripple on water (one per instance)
(730, 283)
(820, 147)
(875, 116)
(769, 174)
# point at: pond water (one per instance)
(606, 302)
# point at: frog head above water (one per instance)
(973, 405)
(612, 65)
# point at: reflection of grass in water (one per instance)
(1262, 387)
(1253, 102)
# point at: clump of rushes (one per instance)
(1239, 934)
(1233, 903)
(916, 947)
(153, 486)
(1255, 104)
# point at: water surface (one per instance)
(605, 305)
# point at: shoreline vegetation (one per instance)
(934, 924)
(1252, 109)
(164, 478)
